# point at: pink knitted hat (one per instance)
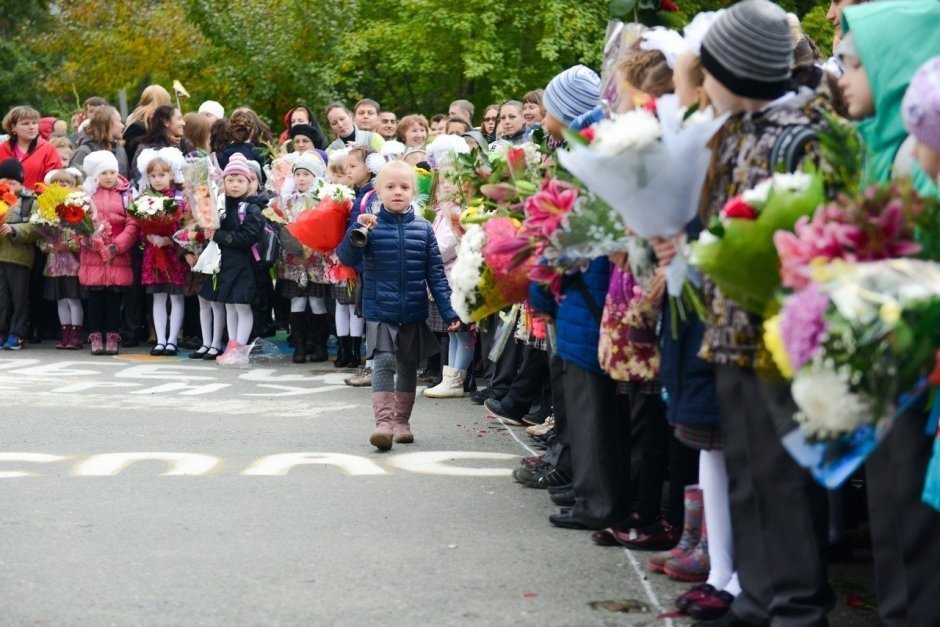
(237, 164)
(921, 106)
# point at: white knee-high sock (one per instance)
(357, 324)
(177, 309)
(342, 321)
(218, 324)
(78, 312)
(205, 321)
(246, 320)
(159, 316)
(65, 312)
(298, 304)
(231, 322)
(318, 305)
(713, 478)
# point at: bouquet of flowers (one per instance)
(737, 252)
(7, 200)
(201, 176)
(190, 238)
(322, 228)
(884, 222)
(565, 226)
(650, 172)
(156, 215)
(500, 180)
(485, 279)
(858, 342)
(74, 212)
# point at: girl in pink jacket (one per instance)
(105, 258)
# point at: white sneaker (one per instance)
(450, 387)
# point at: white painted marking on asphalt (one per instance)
(650, 593)
(181, 464)
(63, 369)
(36, 458)
(514, 436)
(9, 364)
(288, 390)
(269, 375)
(172, 372)
(184, 389)
(91, 385)
(280, 465)
(433, 463)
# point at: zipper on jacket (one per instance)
(401, 263)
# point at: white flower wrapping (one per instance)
(467, 271)
(649, 173)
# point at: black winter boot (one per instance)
(354, 356)
(342, 352)
(298, 336)
(320, 334)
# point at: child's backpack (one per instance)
(268, 250)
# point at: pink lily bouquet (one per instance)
(861, 329)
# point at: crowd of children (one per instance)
(740, 518)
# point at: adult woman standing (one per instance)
(138, 122)
(413, 131)
(490, 121)
(166, 129)
(511, 122)
(104, 132)
(303, 115)
(346, 131)
(36, 155)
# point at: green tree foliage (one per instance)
(422, 54)
(410, 55)
(22, 66)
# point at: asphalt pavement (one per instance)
(141, 490)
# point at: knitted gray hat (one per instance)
(571, 93)
(749, 51)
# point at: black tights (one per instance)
(663, 454)
(104, 310)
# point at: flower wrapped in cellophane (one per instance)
(201, 178)
(737, 250)
(485, 278)
(322, 227)
(649, 171)
(860, 343)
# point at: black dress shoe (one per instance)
(566, 521)
(563, 499)
(565, 487)
(480, 396)
(728, 620)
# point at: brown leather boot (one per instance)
(383, 406)
(404, 403)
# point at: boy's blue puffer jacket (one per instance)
(576, 327)
(401, 262)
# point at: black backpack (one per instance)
(268, 249)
